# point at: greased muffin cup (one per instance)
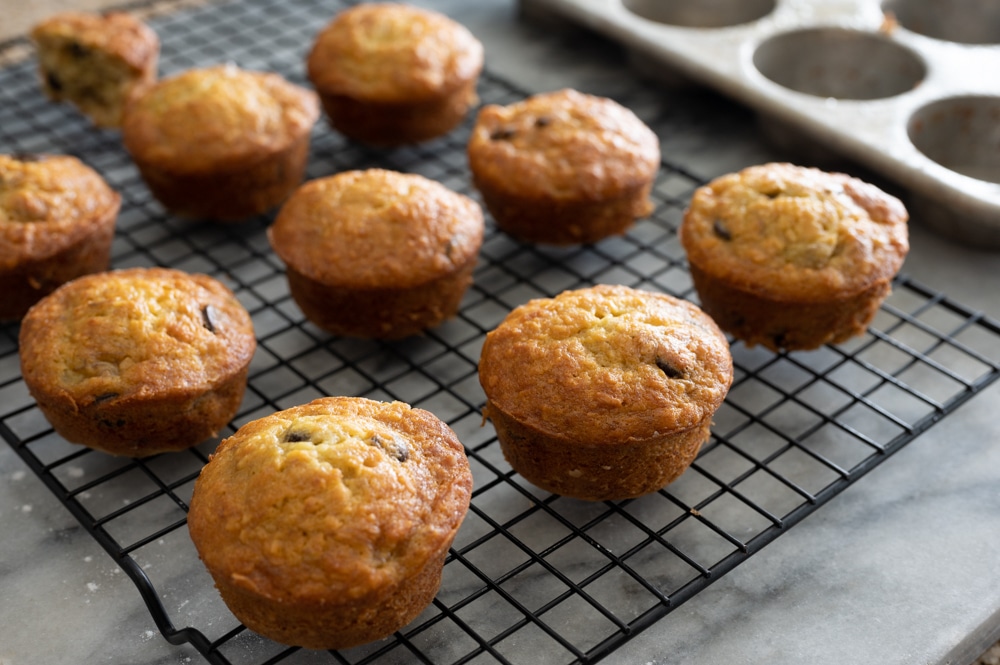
(137, 361)
(377, 253)
(95, 61)
(57, 222)
(563, 167)
(604, 392)
(327, 525)
(791, 257)
(220, 142)
(390, 74)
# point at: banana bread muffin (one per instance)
(377, 253)
(138, 361)
(220, 142)
(327, 525)
(563, 167)
(604, 392)
(791, 257)
(95, 61)
(390, 74)
(57, 221)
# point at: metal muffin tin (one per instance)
(907, 88)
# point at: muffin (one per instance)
(95, 61)
(327, 525)
(563, 167)
(220, 142)
(377, 253)
(391, 74)
(604, 392)
(57, 222)
(139, 361)
(791, 257)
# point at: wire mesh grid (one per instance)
(531, 577)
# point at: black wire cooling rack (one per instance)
(531, 577)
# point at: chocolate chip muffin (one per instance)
(327, 525)
(95, 61)
(604, 392)
(378, 253)
(220, 142)
(390, 74)
(138, 361)
(57, 222)
(563, 167)
(791, 257)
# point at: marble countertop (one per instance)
(898, 569)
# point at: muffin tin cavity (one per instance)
(701, 13)
(906, 88)
(839, 63)
(963, 21)
(961, 134)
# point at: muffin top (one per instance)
(331, 500)
(391, 53)
(48, 202)
(563, 144)
(117, 34)
(376, 228)
(216, 118)
(606, 364)
(789, 232)
(135, 332)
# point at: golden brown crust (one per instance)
(793, 257)
(598, 375)
(326, 525)
(57, 221)
(585, 161)
(391, 74)
(392, 53)
(221, 142)
(96, 61)
(217, 119)
(137, 361)
(376, 252)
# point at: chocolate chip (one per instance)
(104, 397)
(28, 157)
(502, 134)
(720, 229)
(78, 50)
(209, 317)
(392, 447)
(668, 369)
(53, 81)
(291, 436)
(542, 121)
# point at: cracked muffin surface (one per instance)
(604, 392)
(57, 222)
(793, 257)
(792, 230)
(138, 361)
(607, 363)
(327, 524)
